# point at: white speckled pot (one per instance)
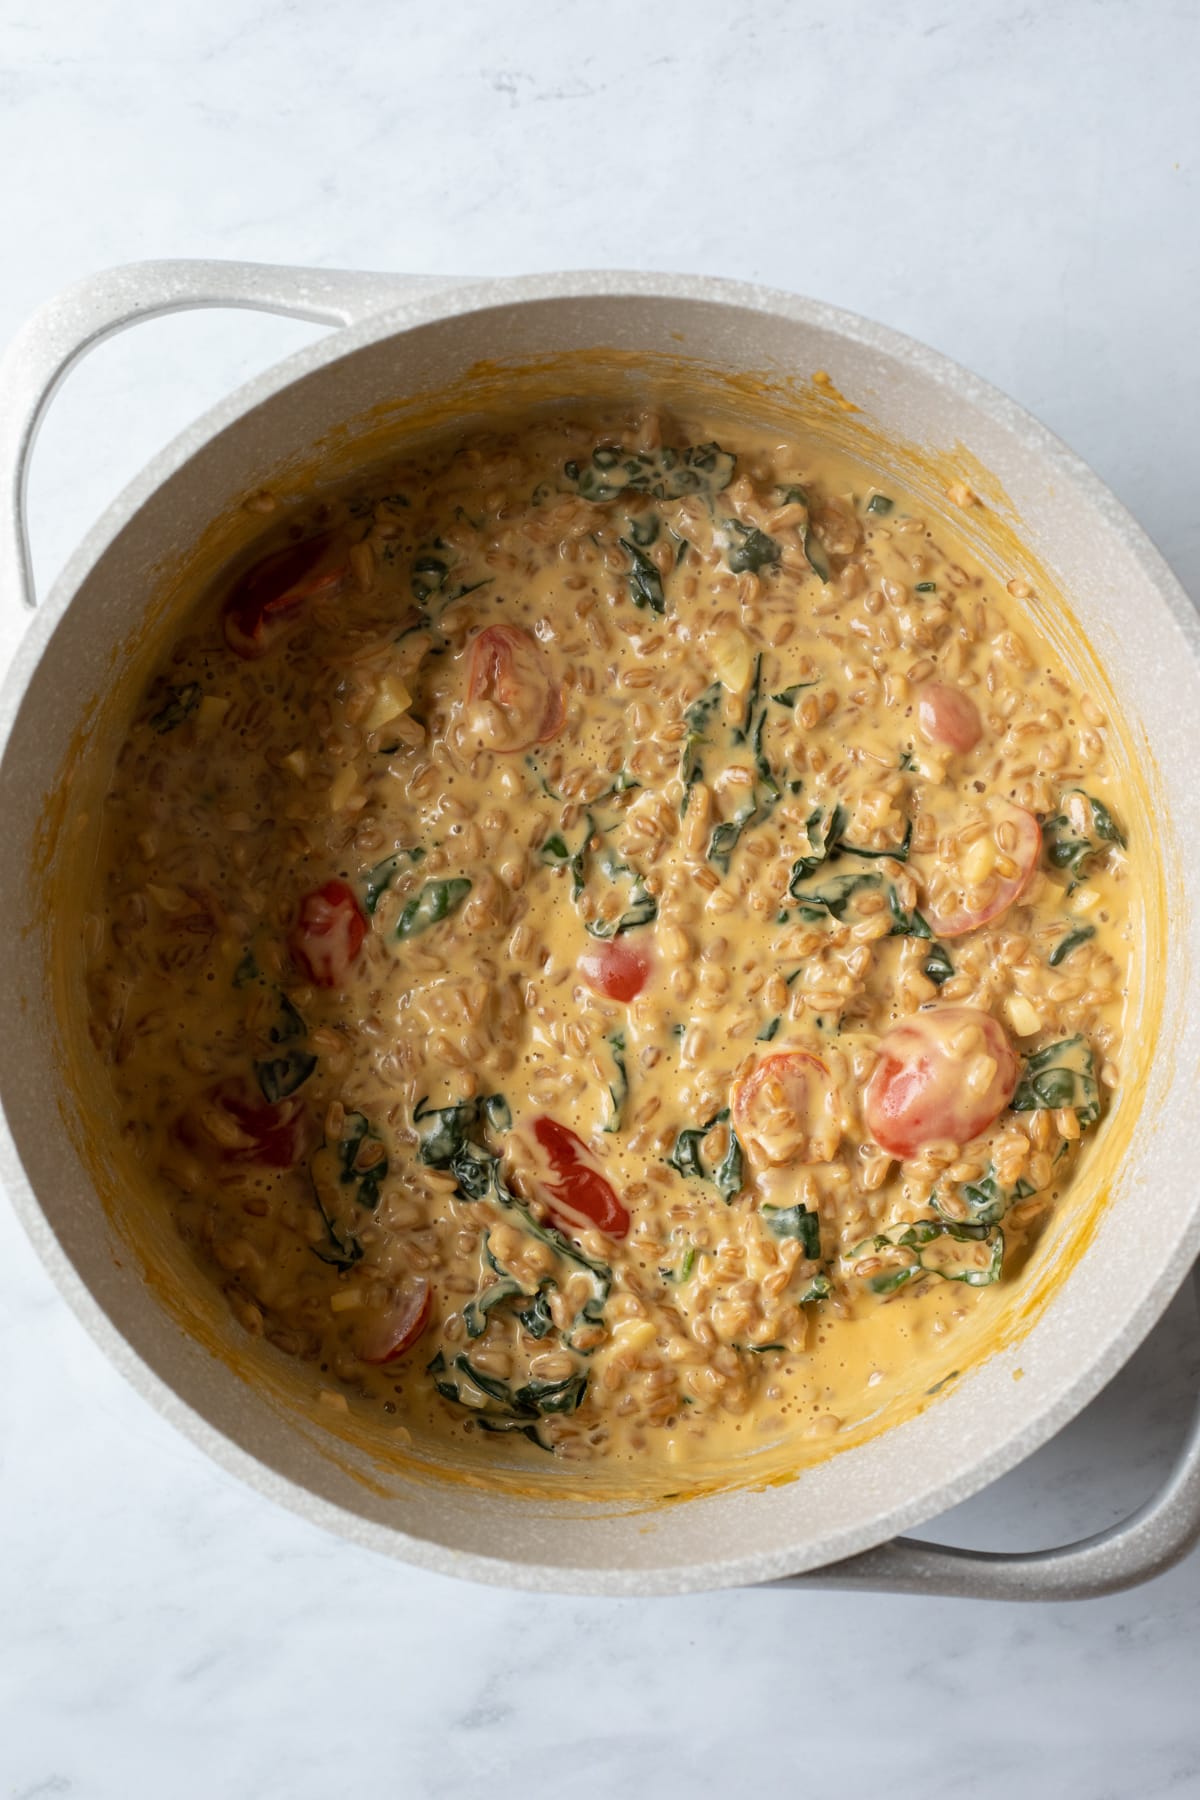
(401, 336)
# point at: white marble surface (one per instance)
(1016, 185)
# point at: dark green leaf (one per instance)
(769, 1029)
(557, 853)
(180, 704)
(766, 792)
(985, 1200)
(642, 908)
(246, 971)
(1072, 941)
(788, 696)
(697, 718)
(818, 561)
(446, 1144)
(897, 852)
(623, 783)
(340, 1253)
(536, 1320)
(1103, 822)
(795, 1222)
(1067, 849)
(435, 902)
(1062, 1074)
(644, 529)
(282, 1075)
(834, 897)
(880, 505)
(362, 1161)
(913, 1236)
(290, 1025)
(467, 587)
(618, 1089)
(427, 576)
(685, 1157)
(496, 1112)
(441, 1138)
(749, 550)
(910, 924)
(475, 1312)
(825, 837)
(645, 582)
(380, 878)
(667, 474)
(742, 734)
(723, 842)
(937, 965)
(341, 1249)
(727, 1176)
(533, 1313)
(824, 829)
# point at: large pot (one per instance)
(416, 346)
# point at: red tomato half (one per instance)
(328, 933)
(508, 670)
(1002, 890)
(615, 969)
(930, 1086)
(279, 1133)
(950, 717)
(584, 1196)
(276, 585)
(398, 1329)
(780, 1109)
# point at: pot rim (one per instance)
(395, 319)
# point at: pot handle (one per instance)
(1150, 1541)
(65, 328)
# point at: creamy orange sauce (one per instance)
(762, 726)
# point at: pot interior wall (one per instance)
(343, 411)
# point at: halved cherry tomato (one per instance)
(949, 716)
(583, 1195)
(328, 933)
(398, 1329)
(508, 670)
(932, 1082)
(1001, 890)
(279, 583)
(781, 1109)
(278, 1134)
(615, 969)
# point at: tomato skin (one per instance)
(616, 969)
(328, 933)
(803, 1080)
(580, 1189)
(916, 1095)
(388, 1338)
(508, 669)
(280, 1133)
(949, 717)
(958, 920)
(274, 587)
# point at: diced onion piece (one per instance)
(392, 699)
